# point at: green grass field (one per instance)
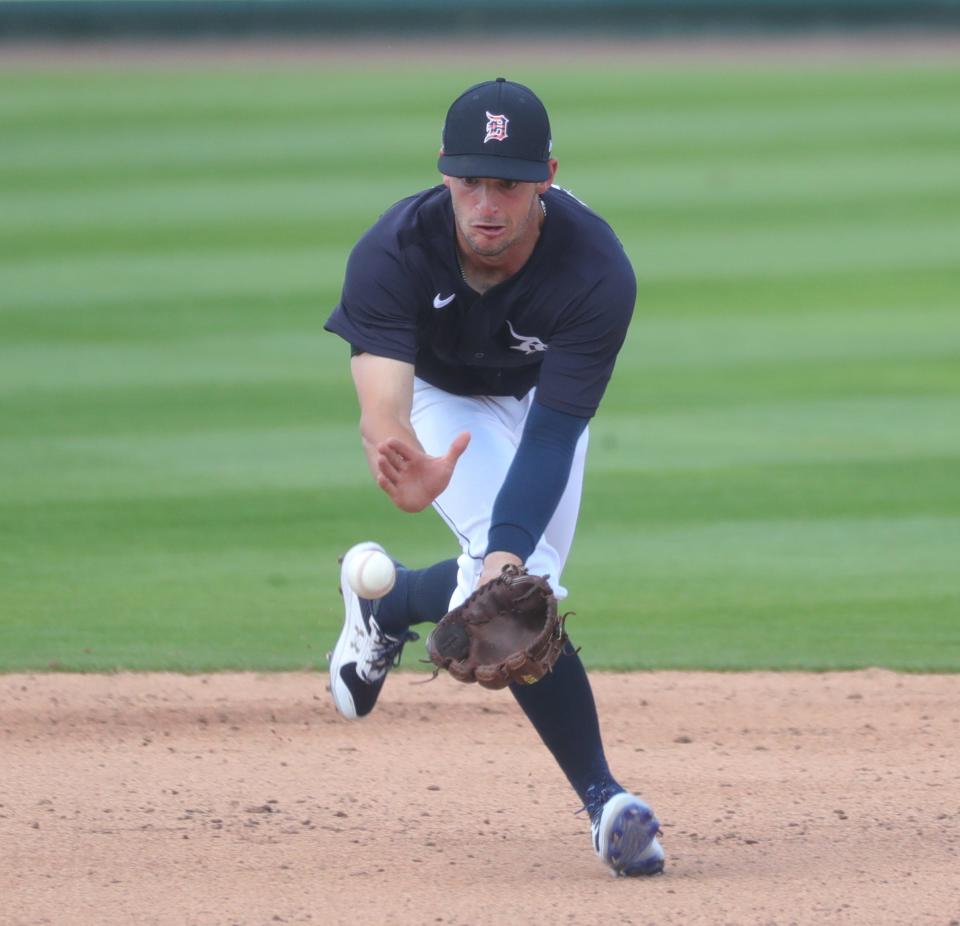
(775, 472)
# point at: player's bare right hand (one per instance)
(412, 478)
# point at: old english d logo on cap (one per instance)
(496, 128)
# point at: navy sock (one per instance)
(561, 708)
(418, 595)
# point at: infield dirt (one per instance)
(245, 799)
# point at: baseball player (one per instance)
(484, 317)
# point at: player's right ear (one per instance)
(545, 185)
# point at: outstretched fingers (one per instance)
(390, 466)
(393, 458)
(397, 452)
(388, 484)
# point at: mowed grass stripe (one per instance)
(820, 336)
(103, 279)
(137, 154)
(176, 408)
(793, 490)
(268, 358)
(149, 97)
(161, 318)
(326, 201)
(840, 431)
(686, 389)
(862, 296)
(762, 252)
(153, 467)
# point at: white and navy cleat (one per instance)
(625, 836)
(364, 653)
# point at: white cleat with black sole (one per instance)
(625, 836)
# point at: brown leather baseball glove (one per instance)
(507, 631)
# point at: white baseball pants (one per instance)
(495, 424)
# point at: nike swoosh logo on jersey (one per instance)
(439, 303)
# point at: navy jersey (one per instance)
(557, 324)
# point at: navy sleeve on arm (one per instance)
(535, 481)
(581, 356)
(377, 309)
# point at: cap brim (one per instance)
(490, 165)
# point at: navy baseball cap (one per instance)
(496, 129)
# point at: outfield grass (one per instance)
(775, 473)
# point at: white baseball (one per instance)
(371, 573)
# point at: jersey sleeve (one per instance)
(580, 358)
(377, 310)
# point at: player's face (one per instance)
(494, 216)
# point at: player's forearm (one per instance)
(385, 393)
(535, 481)
(378, 427)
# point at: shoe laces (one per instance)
(596, 797)
(381, 651)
